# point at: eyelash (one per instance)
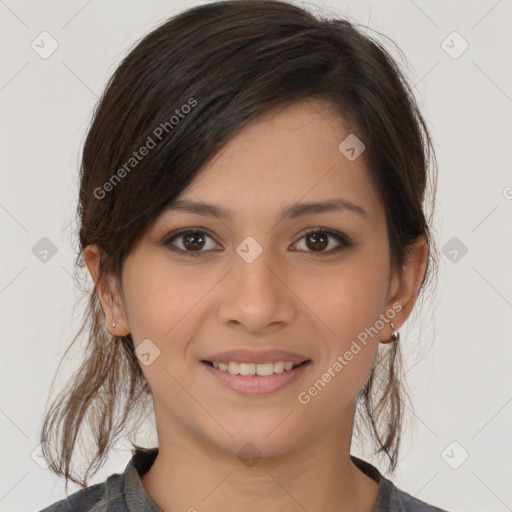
(342, 239)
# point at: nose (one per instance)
(255, 295)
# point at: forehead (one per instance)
(285, 156)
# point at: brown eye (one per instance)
(190, 242)
(193, 241)
(318, 240)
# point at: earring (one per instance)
(113, 324)
(395, 336)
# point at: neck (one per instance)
(191, 473)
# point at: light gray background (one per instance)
(460, 361)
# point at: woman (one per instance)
(252, 214)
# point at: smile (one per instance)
(261, 369)
(256, 378)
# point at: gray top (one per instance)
(125, 492)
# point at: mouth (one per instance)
(255, 369)
(256, 379)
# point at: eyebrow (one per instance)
(290, 212)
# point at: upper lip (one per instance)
(261, 356)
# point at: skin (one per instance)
(289, 298)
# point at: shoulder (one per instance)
(393, 499)
(120, 492)
(107, 496)
(390, 498)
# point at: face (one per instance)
(268, 275)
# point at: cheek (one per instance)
(163, 308)
(165, 305)
(350, 305)
(352, 297)
(351, 309)
(161, 298)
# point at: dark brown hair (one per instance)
(185, 90)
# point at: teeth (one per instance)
(262, 369)
(279, 367)
(244, 369)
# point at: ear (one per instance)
(110, 299)
(405, 286)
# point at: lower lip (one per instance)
(257, 385)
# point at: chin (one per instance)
(266, 439)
